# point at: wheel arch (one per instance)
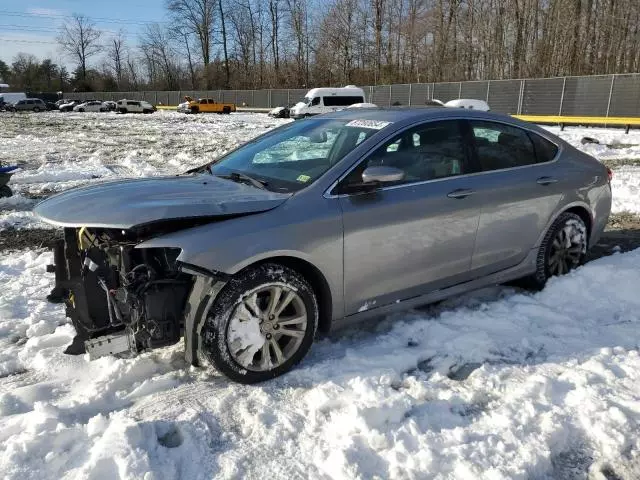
(584, 214)
(316, 279)
(579, 208)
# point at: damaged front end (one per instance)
(122, 299)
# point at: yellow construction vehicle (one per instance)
(205, 105)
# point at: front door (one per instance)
(415, 235)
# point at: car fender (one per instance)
(230, 245)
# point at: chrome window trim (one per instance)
(327, 193)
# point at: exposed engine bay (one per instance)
(122, 300)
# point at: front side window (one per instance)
(294, 156)
(315, 101)
(430, 151)
(501, 146)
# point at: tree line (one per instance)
(249, 44)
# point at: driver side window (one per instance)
(429, 151)
(315, 101)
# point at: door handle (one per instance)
(460, 193)
(546, 180)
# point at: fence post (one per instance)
(613, 78)
(564, 83)
(410, 94)
(389, 96)
(288, 97)
(459, 90)
(270, 99)
(522, 85)
(488, 87)
(433, 90)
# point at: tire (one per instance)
(36, 109)
(254, 286)
(555, 259)
(5, 191)
(123, 110)
(81, 110)
(195, 110)
(226, 110)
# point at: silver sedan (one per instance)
(320, 223)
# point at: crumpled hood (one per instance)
(128, 203)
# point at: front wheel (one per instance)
(261, 325)
(563, 248)
(123, 110)
(36, 109)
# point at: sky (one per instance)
(31, 26)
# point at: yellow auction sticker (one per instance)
(304, 178)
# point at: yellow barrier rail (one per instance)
(563, 120)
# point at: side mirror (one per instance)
(382, 174)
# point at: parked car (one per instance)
(320, 223)
(28, 104)
(135, 106)
(9, 98)
(92, 106)
(280, 112)
(469, 103)
(205, 105)
(5, 175)
(68, 106)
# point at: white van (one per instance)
(470, 103)
(325, 100)
(7, 98)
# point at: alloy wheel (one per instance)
(567, 249)
(267, 327)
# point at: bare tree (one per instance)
(79, 38)
(115, 52)
(196, 17)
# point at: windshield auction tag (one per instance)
(373, 124)
(304, 178)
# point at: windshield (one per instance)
(294, 156)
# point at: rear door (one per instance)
(518, 188)
(416, 235)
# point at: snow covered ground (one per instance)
(498, 384)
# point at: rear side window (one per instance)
(501, 146)
(341, 101)
(545, 150)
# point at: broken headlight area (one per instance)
(120, 299)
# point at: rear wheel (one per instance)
(261, 325)
(226, 109)
(195, 110)
(36, 109)
(563, 249)
(123, 110)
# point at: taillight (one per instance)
(610, 173)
